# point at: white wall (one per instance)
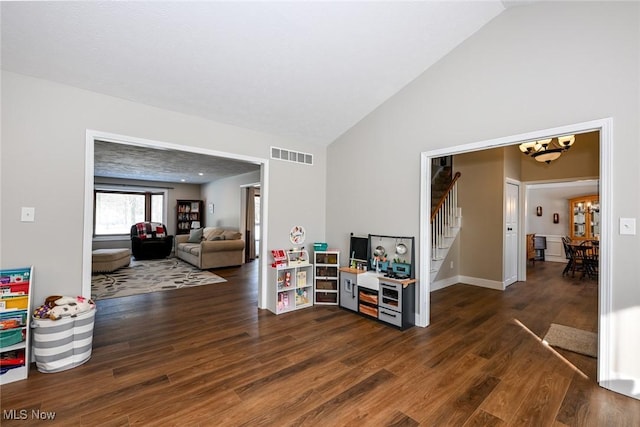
(44, 127)
(533, 67)
(553, 198)
(225, 194)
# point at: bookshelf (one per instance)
(290, 288)
(190, 215)
(15, 319)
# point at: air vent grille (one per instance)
(291, 156)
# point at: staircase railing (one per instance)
(445, 211)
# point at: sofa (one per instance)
(210, 247)
(149, 240)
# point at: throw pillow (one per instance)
(220, 237)
(159, 230)
(210, 232)
(141, 228)
(232, 235)
(195, 236)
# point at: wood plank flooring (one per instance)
(206, 356)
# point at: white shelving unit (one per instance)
(290, 287)
(15, 318)
(326, 278)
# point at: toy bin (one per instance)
(320, 246)
(62, 344)
(19, 302)
(11, 337)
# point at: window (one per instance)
(157, 208)
(116, 211)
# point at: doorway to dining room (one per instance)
(556, 220)
(591, 167)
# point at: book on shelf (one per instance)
(301, 278)
(302, 297)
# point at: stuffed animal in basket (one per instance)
(55, 307)
(70, 307)
(43, 311)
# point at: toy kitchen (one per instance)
(379, 281)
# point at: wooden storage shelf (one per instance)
(326, 277)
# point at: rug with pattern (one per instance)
(150, 276)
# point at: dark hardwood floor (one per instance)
(207, 356)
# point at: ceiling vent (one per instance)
(291, 156)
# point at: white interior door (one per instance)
(511, 234)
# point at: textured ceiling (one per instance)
(133, 162)
(306, 70)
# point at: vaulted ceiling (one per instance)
(303, 70)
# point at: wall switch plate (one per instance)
(28, 214)
(628, 226)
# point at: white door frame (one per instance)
(93, 135)
(605, 128)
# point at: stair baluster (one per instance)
(445, 225)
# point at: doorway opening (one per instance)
(250, 218)
(604, 129)
(92, 137)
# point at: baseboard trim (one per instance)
(467, 280)
(562, 260)
(483, 283)
(622, 384)
(443, 283)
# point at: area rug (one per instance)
(150, 276)
(572, 339)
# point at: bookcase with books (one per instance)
(189, 216)
(15, 335)
(290, 287)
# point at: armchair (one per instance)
(149, 240)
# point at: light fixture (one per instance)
(547, 150)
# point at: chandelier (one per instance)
(547, 150)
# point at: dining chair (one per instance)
(592, 259)
(568, 253)
(579, 259)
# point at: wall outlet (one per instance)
(451, 265)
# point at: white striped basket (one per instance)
(62, 344)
